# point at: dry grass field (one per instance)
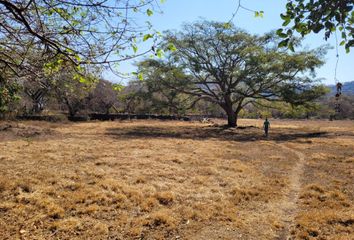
(176, 180)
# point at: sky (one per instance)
(176, 12)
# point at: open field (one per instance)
(176, 180)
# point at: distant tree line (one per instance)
(323, 108)
(61, 94)
(58, 91)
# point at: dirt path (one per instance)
(285, 210)
(288, 206)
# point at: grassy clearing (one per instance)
(174, 180)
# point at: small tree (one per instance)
(103, 97)
(232, 68)
(132, 99)
(36, 86)
(72, 92)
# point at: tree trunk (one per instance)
(71, 108)
(231, 114)
(72, 112)
(231, 119)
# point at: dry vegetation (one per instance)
(176, 180)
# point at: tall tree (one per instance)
(232, 68)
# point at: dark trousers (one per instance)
(266, 131)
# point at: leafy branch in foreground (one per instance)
(304, 17)
(81, 31)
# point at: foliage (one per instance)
(70, 91)
(282, 110)
(81, 31)
(8, 93)
(306, 16)
(165, 85)
(103, 97)
(35, 79)
(233, 69)
(132, 98)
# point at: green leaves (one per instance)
(283, 43)
(149, 12)
(53, 66)
(227, 25)
(80, 78)
(159, 53)
(8, 94)
(301, 28)
(291, 46)
(171, 47)
(280, 33)
(163, 85)
(135, 48)
(317, 16)
(285, 17)
(147, 37)
(141, 77)
(348, 45)
(286, 42)
(259, 14)
(117, 87)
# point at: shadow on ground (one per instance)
(249, 133)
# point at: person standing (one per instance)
(266, 126)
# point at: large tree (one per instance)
(232, 68)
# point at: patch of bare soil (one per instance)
(176, 180)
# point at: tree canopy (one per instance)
(165, 86)
(232, 68)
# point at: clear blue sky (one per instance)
(177, 12)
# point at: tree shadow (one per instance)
(244, 133)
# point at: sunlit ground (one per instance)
(176, 180)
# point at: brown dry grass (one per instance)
(176, 180)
